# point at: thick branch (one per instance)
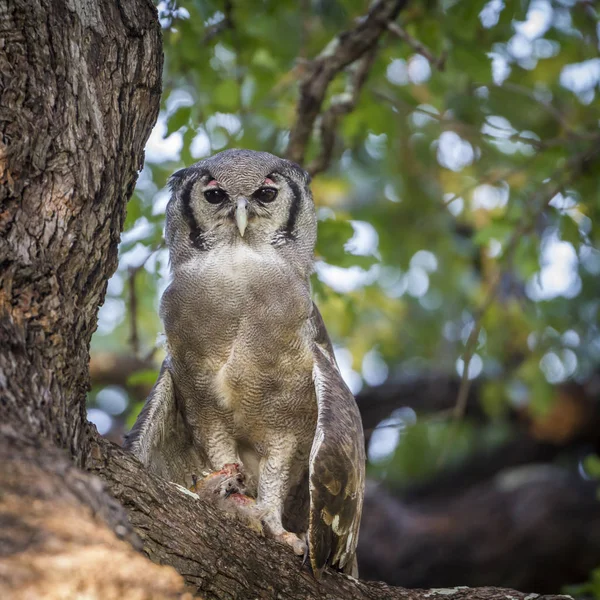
(341, 105)
(223, 559)
(62, 536)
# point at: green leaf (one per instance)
(226, 95)
(331, 238)
(178, 119)
(497, 230)
(145, 377)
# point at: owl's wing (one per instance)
(160, 439)
(337, 464)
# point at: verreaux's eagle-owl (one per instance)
(250, 376)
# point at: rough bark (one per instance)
(80, 89)
(80, 86)
(62, 536)
(223, 559)
(60, 539)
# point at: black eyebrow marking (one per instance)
(196, 232)
(176, 178)
(288, 230)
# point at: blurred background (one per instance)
(458, 267)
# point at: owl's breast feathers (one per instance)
(238, 319)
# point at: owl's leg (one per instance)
(223, 475)
(218, 443)
(274, 480)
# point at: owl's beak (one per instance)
(241, 215)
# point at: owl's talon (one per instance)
(305, 557)
(300, 547)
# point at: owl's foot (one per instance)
(298, 545)
(275, 530)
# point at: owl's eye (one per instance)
(215, 195)
(265, 194)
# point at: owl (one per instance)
(250, 377)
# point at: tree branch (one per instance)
(341, 52)
(341, 105)
(566, 176)
(222, 558)
(438, 62)
(62, 536)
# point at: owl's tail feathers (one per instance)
(351, 567)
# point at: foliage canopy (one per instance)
(457, 217)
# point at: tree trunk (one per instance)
(80, 86)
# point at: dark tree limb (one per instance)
(536, 527)
(62, 536)
(341, 105)
(223, 559)
(107, 368)
(55, 517)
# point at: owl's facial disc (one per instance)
(240, 204)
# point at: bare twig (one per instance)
(524, 228)
(341, 52)
(550, 109)
(470, 347)
(134, 339)
(438, 62)
(528, 93)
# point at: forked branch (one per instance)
(344, 50)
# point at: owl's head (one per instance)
(241, 197)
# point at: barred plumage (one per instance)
(250, 375)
